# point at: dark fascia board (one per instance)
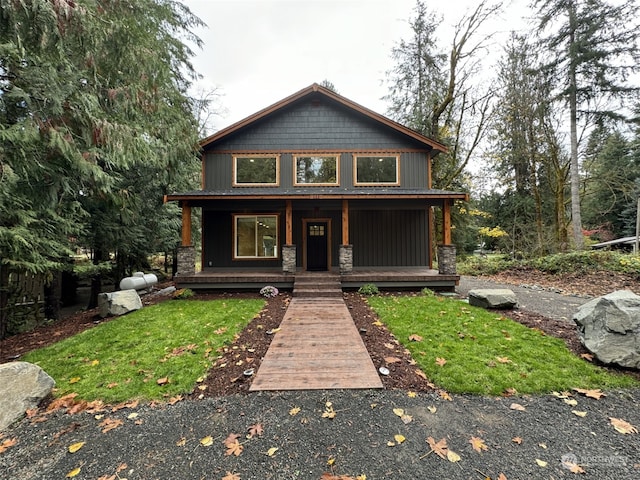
(209, 196)
(432, 144)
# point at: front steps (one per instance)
(317, 284)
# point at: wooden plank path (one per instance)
(317, 347)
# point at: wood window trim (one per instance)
(234, 168)
(234, 247)
(316, 154)
(375, 184)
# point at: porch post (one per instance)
(446, 251)
(289, 253)
(346, 250)
(186, 251)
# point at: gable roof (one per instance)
(319, 89)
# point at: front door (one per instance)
(317, 246)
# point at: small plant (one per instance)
(427, 292)
(183, 294)
(368, 289)
(269, 291)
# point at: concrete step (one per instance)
(317, 292)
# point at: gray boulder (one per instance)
(23, 385)
(609, 327)
(118, 303)
(502, 298)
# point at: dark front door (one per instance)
(317, 249)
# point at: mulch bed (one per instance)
(226, 376)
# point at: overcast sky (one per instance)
(257, 52)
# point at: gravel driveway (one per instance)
(532, 298)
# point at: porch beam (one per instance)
(345, 222)
(446, 222)
(289, 223)
(186, 224)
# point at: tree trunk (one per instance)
(576, 217)
(96, 280)
(4, 300)
(52, 296)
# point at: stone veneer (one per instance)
(447, 259)
(289, 259)
(186, 260)
(346, 258)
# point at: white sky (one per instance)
(257, 52)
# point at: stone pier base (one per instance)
(346, 259)
(447, 259)
(186, 260)
(289, 259)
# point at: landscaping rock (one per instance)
(502, 298)
(24, 385)
(118, 303)
(609, 327)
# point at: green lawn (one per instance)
(482, 352)
(124, 358)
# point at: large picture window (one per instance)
(377, 170)
(255, 236)
(316, 170)
(256, 170)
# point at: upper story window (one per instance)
(316, 169)
(376, 170)
(256, 170)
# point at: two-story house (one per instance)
(317, 182)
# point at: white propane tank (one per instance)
(138, 281)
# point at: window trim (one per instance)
(234, 173)
(234, 247)
(305, 155)
(375, 184)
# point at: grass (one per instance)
(486, 353)
(124, 358)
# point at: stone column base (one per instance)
(346, 259)
(447, 259)
(289, 261)
(186, 260)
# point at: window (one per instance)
(377, 170)
(316, 170)
(255, 236)
(256, 170)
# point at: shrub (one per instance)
(183, 294)
(269, 291)
(368, 289)
(427, 292)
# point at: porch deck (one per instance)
(383, 277)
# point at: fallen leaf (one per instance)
(74, 380)
(377, 323)
(421, 374)
(570, 401)
(234, 448)
(329, 412)
(579, 414)
(109, 424)
(502, 476)
(220, 331)
(391, 444)
(206, 441)
(73, 472)
(440, 361)
(415, 338)
(594, 393)
(231, 476)
(517, 406)
(622, 426)
(162, 381)
(412, 394)
(432, 409)
(439, 448)
(8, 443)
(478, 444)
(272, 451)
(398, 412)
(587, 356)
(444, 395)
(182, 442)
(541, 463)
(572, 467)
(392, 359)
(75, 447)
(399, 438)
(452, 456)
(503, 360)
(331, 461)
(255, 430)
(294, 411)
(517, 440)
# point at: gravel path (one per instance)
(532, 298)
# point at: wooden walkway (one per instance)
(317, 347)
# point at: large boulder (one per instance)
(609, 327)
(501, 298)
(118, 303)
(24, 385)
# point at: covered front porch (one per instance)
(254, 279)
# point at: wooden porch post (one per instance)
(289, 223)
(345, 222)
(186, 224)
(446, 222)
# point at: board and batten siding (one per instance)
(386, 238)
